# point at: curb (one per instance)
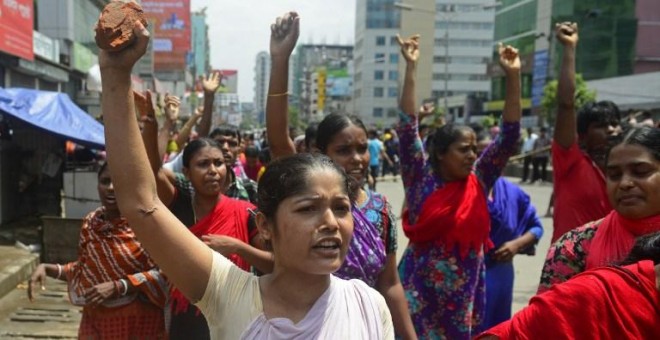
(16, 266)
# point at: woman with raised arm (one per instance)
(304, 215)
(372, 254)
(120, 288)
(197, 199)
(447, 219)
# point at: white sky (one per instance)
(239, 29)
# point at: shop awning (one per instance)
(53, 112)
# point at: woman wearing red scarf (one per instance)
(447, 221)
(605, 303)
(197, 199)
(633, 188)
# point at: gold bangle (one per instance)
(278, 94)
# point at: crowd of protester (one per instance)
(216, 233)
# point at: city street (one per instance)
(52, 316)
(528, 268)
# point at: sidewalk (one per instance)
(16, 266)
(50, 316)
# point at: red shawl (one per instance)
(615, 238)
(230, 218)
(605, 303)
(455, 214)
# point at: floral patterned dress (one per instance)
(445, 292)
(567, 257)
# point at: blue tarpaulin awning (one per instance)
(53, 112)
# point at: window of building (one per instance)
(379, 75)
(378, 112)
(379, 58)
(380, 40)
(378, 92)
(392, 92)
(394, 58)
(393, 41)
(393, 75)
(393, 112)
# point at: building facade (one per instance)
(321, 80)
(463, 48)
(48, 47)
(201, 51)
(616, 39)
(261, 79)
(376, 62)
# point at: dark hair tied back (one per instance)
(645, 136)
(331, 125)
(193, 147)
(439, 142)
(289, 176)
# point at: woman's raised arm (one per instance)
(283, 38)
(182, 257)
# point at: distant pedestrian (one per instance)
(391, 142)
(541, 156)
(527, 147)
(377, 156)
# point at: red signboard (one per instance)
(171, 24)
(16, 28)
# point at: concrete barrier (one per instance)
(16, 266)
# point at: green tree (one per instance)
(489, 121)
(549, 102)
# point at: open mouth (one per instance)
(328, 244)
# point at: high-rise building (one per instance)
(456, 47)
(616, 39)
(376, 62)
(200, 62)
(321, 80)
(261, 79)
(463, 48)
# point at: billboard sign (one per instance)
(171, 32)
(16, 20)
(229, 82)
(539, 76)
(171, 24)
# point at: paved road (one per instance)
(528, 268)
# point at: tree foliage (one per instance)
(549, 102)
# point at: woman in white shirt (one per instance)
(304, 215)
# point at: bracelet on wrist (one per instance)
(117, 287)
(125, 284)
(59, 271)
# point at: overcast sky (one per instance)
(239, 29)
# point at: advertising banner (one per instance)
(171, 24)
(171, 32)
(540, 76)
(16, 28)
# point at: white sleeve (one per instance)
(226, 284)
(175, 164)
(386, 317)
